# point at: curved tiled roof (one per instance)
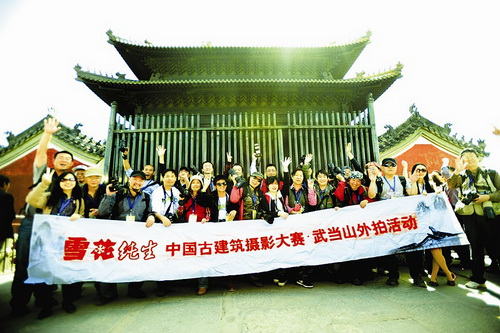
(86, 76)
(147, 60)
(72, 136)
(116, 40)
(198, 92)
(396, 136)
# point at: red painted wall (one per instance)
(427, 154)
(20, 173)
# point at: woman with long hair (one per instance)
(64, 199)
(421, 185)
(195, 207)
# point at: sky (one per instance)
(449, 50)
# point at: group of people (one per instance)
(177, 196)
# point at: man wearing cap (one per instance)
(149, 184)
(130, 204)
(394, 186)
(249, 197)
(93, 191)
(79, 172)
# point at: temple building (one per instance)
(418, 140)
(201, 102)
(16, 160)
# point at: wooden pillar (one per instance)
(109, 141)
(374, 137)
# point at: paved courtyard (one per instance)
(328, 307)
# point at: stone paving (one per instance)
(328, 307)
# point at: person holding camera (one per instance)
(249, 199)
(149, 184)
(271, 169)
(234, 173)
(479, 207)
(126, 204)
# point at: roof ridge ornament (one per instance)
(111, 36)
(414, 110)
(120, 76)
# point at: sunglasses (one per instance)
(221, 184)
(420, 170)
(64, 180)
(389, 165)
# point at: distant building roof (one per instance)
(71, 139)
(396, 140)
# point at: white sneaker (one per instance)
(475, 285)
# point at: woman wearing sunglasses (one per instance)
(421, 185)
(64, 199)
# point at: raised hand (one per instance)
(414, 177)
(404, 164)
(160, 150)
(308, 158)
(47, 177)
(460, 166)
(229, 157)
(51, 125)
(108, 190)
(348, 150)
(286, 162)
(372, 174)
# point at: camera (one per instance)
(121, 146)
(469, 196)
(184, 192)
(334, 170)
(170, 216)
(488, 210)
(256, 150)
(115, 185)
(239, 180)
(268, 218)
(195, 170)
